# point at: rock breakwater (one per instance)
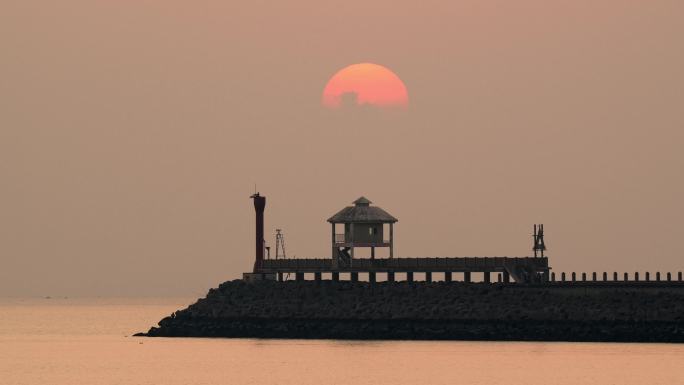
(439, 310)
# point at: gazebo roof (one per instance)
(362, 212)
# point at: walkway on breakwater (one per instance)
(468, 269)
(518, 269)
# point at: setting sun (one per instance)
(365, 84)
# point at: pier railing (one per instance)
(526, 270)
(340, 239)
(607, 278)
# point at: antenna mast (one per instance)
(280, 245)
(538, 246)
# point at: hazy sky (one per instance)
(132, 134)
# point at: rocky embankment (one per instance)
(419, 310)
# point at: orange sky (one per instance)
(132, 134)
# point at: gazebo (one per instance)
(363, 227)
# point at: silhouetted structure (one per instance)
(260, 243)
(364, 226)
(259, 206)
(539, 247)
(539, 309)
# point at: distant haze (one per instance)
(132, 134)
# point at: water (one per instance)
(87, 341)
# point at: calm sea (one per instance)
(87, 341)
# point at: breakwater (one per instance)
(433, 310)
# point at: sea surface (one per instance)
(88, 341)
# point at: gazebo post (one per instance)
(351, 230)
(332, 241)
(391, 240)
